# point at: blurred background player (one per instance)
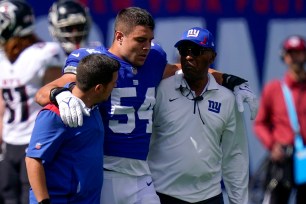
(69, 24)
(26, 64)
(272, 124)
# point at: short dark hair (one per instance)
(130, 17)
(95, 69)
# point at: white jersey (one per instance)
(19, 83)
(195, 144)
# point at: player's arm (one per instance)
(42, 97)
(227, 80)
(239, 86)
(71, 108)
(37, 178)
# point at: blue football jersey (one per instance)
(127, 115)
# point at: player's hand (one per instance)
(71, 109)
(243, 93)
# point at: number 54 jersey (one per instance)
(127, 115)
(19, 82)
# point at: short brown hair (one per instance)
(130, 17)
(95, 69)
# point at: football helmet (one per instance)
(69, 24)
(16, 19)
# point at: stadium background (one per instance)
(248, 35)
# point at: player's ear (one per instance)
(118, 36)
(99, 88)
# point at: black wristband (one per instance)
(55, 91)
(230, 81)
(71, 86)
(45, 201)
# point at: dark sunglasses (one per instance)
(194, 51)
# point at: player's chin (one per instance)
(139, 62)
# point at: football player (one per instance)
(26, 64)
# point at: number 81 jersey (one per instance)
(19, 82)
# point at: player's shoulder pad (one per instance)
(83, 52)
(155, 47)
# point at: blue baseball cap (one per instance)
(199, 36)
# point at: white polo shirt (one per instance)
(189, 154)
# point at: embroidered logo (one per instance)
(172, 99)
(214, 106)
(193, 33)
(76, 55)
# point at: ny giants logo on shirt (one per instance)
(214, 106)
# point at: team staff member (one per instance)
(198, 135)
(127, 115)
(26, 64)
(65, 164)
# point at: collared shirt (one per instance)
(272, 123)
(192, 149)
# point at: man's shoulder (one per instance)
(157, 50)
(83, 52)
(51, 107)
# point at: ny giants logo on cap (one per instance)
(193, 33)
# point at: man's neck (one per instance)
(198, 85)
(84, 96)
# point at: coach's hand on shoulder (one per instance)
(71, 109)
(243, 93)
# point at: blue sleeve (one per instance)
(76, 56)
(158, 50)
(157, 60)
(48, 134)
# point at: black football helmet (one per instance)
(16, 19)
(69, 23)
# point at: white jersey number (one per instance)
(16, 96)
(145, 111)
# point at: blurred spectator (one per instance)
(272, 124)
(26, 64)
